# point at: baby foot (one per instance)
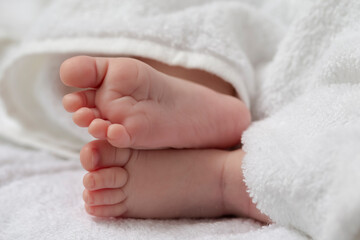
(130, 104)
(164, 183)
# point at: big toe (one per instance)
(80, 71)
(100, 154)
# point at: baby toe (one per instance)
(84, 116)
(74, 101)
(114, 177)
(82, 72)
(103, 197)
(106, 211)
(98, 128)
(100, 154)
(118, 136)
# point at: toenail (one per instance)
(91, 181)
(89, 209)
(95, 158)
(90, 199)
(87, 198)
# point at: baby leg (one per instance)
(131, 104)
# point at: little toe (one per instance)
(106, 211)
(114, 177)
(84, 116)
(98, 128)
(74, 101)
(118, 136)
(103, 197)
(83, 71)
(100, 154)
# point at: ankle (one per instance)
(236, 199)
(233, 187)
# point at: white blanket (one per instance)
(297, 66)
(40, 198)
(303, 161)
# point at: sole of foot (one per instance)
(130, 104)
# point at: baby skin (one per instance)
(131, 107)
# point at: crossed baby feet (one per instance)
(132, 108)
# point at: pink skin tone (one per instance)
(129, 105)
(133, 105)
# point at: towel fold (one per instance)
(226, 38)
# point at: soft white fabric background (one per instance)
(295, 63)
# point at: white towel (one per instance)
(15, 18)
(227, 38)
(40, 198)
(303, 158)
